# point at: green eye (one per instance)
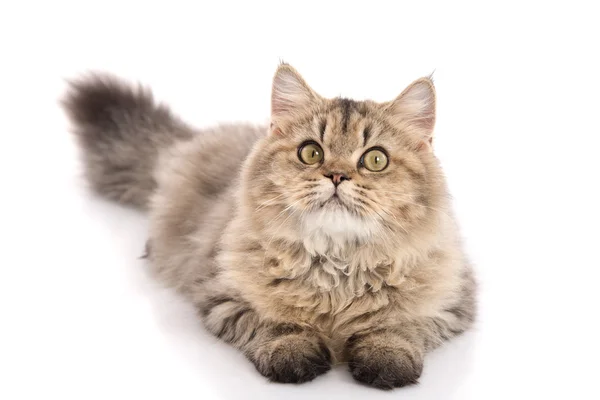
(310, 153)
(374, 160)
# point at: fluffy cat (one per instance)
(324, 238)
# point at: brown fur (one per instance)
(251, 235)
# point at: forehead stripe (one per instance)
(346, 106)
(366, 134)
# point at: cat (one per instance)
(324, 238)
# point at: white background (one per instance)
(518, 135)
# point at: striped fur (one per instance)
(294, 277)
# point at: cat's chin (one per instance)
(334, 203)
(334, 222)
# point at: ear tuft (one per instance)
(290, 92)
(416, 107)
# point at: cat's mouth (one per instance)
(334, 201)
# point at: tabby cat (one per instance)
(326, 237)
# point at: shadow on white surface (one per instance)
(224, 371)
(517, 133)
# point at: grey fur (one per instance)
(121, 128)
(291, 289)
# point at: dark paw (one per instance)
(293, 359)
(384, 366)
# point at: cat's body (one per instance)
(298, 264)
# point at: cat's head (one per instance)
(343, 170)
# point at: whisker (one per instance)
(428, 207)
(403, 197)
(268, 202)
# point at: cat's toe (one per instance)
(294, 360)
(386, 369)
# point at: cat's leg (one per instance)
(386, 357)
(390, 352)
(391, 355)
(282, 352)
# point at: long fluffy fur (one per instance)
(121, 129)
(236, 225)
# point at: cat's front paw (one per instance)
(294, 357)
(382, 363)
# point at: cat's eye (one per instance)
(374, 160)
(310, 153)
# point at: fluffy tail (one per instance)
(120, 129)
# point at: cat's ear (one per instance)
(290, 93)
(415, 109)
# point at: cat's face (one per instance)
(344, 170)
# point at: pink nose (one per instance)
(337, 178)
